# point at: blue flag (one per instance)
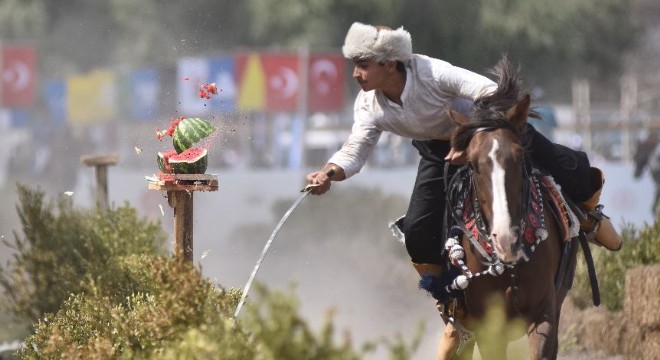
(221, 72)
(55, 99)
(145, 87)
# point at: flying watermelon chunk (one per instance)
(191, 161)
(189, 131)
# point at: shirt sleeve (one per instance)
(464, 83)
(360, 144)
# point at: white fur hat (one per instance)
(380, 44)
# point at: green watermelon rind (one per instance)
(160, 159)
(189, 131)
(196, 166)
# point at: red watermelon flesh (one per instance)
(193, 160)
(163, 161)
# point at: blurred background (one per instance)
(101, 77)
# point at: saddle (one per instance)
(467, 220)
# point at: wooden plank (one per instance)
(95, 160)
(170, 186)
(183, 182)
(200, 177)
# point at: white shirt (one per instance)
(430, 84)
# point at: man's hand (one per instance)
(321, 180)
(456, 157)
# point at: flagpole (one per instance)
(2, 73)
(303, 97)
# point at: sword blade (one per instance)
(265, 251)
(305, 191)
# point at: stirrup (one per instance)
(448, 315)
(593, 217)
(602, 231)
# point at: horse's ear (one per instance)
(517, 114)
(458, 118)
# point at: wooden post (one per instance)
(180, 189)
(101, 163)
(182, 203)
(628, 107)
(582, 112)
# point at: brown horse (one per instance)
(506, 237)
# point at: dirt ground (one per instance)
(583, 355)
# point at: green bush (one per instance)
(279, 317)
(165, 309)
(100, 289)
(137, 310)
(61, 245)
(640, 247)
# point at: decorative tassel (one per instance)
(439, 286)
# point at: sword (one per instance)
(305, 191)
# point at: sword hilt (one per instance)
(309, 187)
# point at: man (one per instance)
(647, 155)
(406, 94)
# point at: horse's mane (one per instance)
(490, 111)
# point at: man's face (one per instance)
(370, 74)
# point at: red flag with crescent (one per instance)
(327, 82)
(282, 81)
(18, 75)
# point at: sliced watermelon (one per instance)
(189, 131)
(163, 160)
(192, 161)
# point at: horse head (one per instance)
(491, 137)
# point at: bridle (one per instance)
(463, 183)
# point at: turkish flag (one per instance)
(326, 82)
(282, 81)
(18, 75)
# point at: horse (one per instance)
(513, 227)
(647, 155)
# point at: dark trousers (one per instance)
(570, 168)
(423, 224)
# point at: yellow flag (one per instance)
(92, 98)
(252, 87)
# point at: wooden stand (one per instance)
(101, 163)
(180, 188)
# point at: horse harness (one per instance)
(463, 211)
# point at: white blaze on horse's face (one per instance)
(504, 237)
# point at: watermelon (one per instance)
(189, 131)
(163, 160)
(191, 161)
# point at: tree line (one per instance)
(553, 41)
